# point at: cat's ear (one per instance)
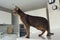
(16, 7)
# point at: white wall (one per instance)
(54, 16)
(5, 18)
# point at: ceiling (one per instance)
(25, 5)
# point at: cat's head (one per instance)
(16, 10)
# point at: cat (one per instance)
(39, 23)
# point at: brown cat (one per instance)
(39, 23)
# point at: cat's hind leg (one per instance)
(42, 33)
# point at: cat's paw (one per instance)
(27, 36)
(39, 35)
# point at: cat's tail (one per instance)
(48, 31)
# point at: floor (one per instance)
(8, 37)
(34, 35)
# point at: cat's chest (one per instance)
(23, 19)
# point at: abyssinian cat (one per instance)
(39, 23)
